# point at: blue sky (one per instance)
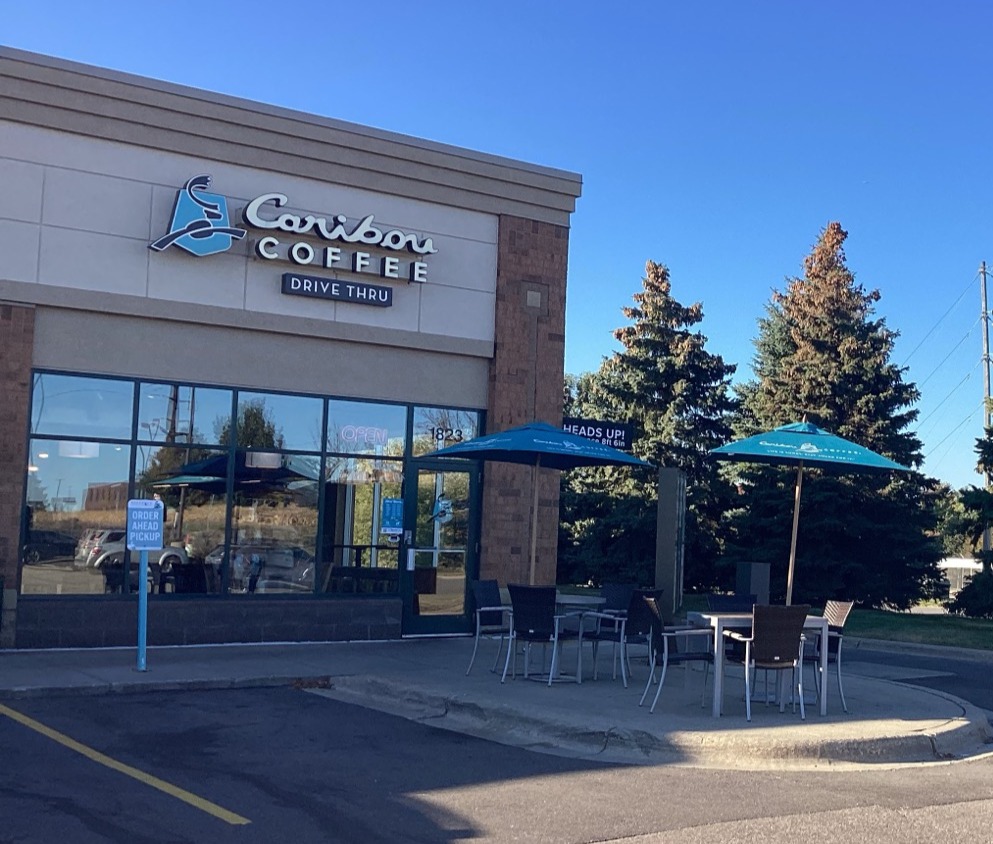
(716, 137)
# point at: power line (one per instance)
(967, 418)
(941, 404)
(946, 357)
(935, 326)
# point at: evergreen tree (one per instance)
(677, 395)
(822, 354)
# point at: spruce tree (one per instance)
(677, 395)
(822, 354)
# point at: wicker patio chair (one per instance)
(776, 644)
(836, 613)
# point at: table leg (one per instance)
(718, 669)
(824, 668)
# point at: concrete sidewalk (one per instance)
(888, 723)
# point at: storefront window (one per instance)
(271, 420)
(438, 427)
(192, 485)
(362, 525)
(93, 446)
(74, 406)
(77, 494)
(356, 427)
(274, 527)
(176, 413)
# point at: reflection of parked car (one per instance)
(48, 545)
(262, 567)
(109, 546)
(86, 540)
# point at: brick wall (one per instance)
(525, 385)
(16, 340)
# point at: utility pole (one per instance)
(986, 356)
(986, 396)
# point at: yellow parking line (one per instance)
(141, 776)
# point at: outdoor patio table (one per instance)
(721, 621)
(576, 605)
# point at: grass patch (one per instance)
(952, 630)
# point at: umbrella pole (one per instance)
(796, 523)
(534, 518)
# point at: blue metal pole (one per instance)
(142, 608)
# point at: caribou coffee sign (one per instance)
(259, 214)
(200, 226)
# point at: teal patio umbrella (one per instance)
(802, 443)
(540, 446)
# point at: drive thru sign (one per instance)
(145, 533)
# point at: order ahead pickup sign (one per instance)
(145, 524)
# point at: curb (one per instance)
(891, 646)
(93, 690)
(968, 738)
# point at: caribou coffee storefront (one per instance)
(266, 320)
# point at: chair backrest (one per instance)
(534, 611)
(649, 606)
(836, 613)
(642, 613)
(776, 632)
(486, 593)
(730, 603)
(616, 596)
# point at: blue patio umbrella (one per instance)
(802, 443)
(540, 446)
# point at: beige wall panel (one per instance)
(184, 280)
(93, 261)
(464, 265)
(19, 250)
(139, 207)
(20, 188)
(97, 203)
(170, 171)
(445, 310)
(168, 350)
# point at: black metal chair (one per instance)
(492, 617)
(776, 644)
(616, 597)
(836, 613)
(664, 648)
(620, 628)
(534, 620)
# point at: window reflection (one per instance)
(190, 451)
(77, 493)
(274, 527)
(271, 420)
(192, 484)
(356, 427)
(178, 413)
(438, 427)
(362, 525)
(75, 406)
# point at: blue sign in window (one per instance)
(392, 521)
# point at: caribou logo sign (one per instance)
(199, 222)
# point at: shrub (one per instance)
(976, 598)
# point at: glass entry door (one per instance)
(441, 549)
